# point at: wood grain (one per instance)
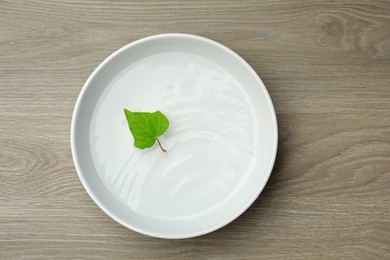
(326, 65)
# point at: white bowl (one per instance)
(221, 143)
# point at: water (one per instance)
(210, 142)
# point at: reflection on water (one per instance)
(210, 142)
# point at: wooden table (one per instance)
(327, 68)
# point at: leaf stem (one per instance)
(162, 148)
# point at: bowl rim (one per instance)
(76, 114)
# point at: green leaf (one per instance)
(146, 127)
